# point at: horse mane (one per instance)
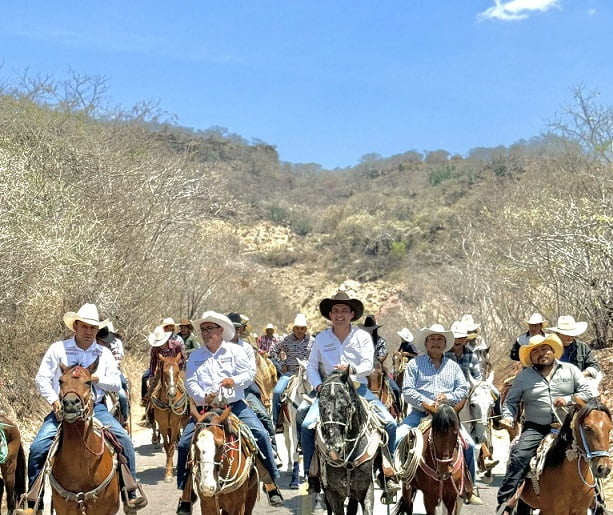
(557, 453)
(445, 419)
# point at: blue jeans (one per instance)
(43, 440)
(143, 384)
(277, 393)
(414, 418)
(308, 425)
(242, 410)
(123, 398)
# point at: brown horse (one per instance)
(83, 477)
(439, 470)
(577, 459)
(380, 386)
(170, 407)
(224, 474)
(12, 464)
(265, 378)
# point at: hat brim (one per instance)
(580, 328)
(158, 343)
(71, 317)
(526, 350)
(216, 318)
(325, 306)
(407, 337)
(420, 339)
(369, 328)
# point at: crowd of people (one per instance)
(218, 354)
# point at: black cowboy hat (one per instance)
(105, 335)
(235, 318)
(325, 306)
(370, 324)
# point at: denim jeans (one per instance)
(123, 398)
(280, 387)
(143, 384)
(43, 440)
(246, 415)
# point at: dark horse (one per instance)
(440, 471)
(379, 384)
(224, 474)
(576, 460)
(83, 477)
(347, 441)
(12, 464)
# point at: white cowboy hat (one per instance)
(88, 314)
(420, 337)
(159, 337)
(405, 334)
(536, 318)
(216, 318)
(568, 326)
(168, 321)
(269, 326)
(459, 329)
(469, 322)
(300, 320)
(536, 341)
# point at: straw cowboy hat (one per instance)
(405, 334)
(159, 337)
(370, 324)
(168, 321)
(536, 341)
(340, 297)
(420, 337)
(568, 326)
(459, 329)
(215, 318)
(186, 323)
(469, 322)
(88, 314)
(536, 318)
(300, 320)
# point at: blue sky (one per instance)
(329, 81)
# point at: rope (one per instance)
(407, 468)
(4, 448)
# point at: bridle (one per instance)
(583, 451)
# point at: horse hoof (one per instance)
(487, 479)
(168, 479)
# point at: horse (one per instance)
(348, 438)
(83, 477)
(578, 458)
(224, 475)
(170, 407)
(438, 467)
(378, 384)
(297, 390)
(265, 378)
(12, 464)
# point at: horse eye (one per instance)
(88, 383)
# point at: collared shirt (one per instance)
(538, 392)
(469, 363)
(294, 349)
(191, 343)
(580, 354)
(423, 381)
(68, 353)
(265, 342)
(356, 351)
(174, 348)
(206, 370)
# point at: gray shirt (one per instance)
(538, 392)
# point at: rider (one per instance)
(337, 348)
(267, 339)
(477, 343)
(576, 351)
(432, 379)
(186, 332)
(536, 322)
(407, 349)
(545, 386)
(285, 354)
(217, 365)
(80, 349)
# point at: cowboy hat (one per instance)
(423, 333)
(105, 334)
(235, 318)
(536, 341)
(405, 334)
(459, 330)
(300, 320)
(536, 318)
(88, 314)
(340, 297)
(469, 322)
(215, 318)
(168, 321)
(186, 323)
(159, 337)
(568, 326)
(370, 324)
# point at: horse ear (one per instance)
(471, 381)
(345, 374)
(490, 378)
(94, 366)
(63, 367)
(225, 414)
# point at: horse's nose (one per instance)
(603, 469)
(71, 403)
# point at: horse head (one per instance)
(76, 392)
(338, 413)
(444, 441)
(591, 427)
(170, 373)
(480, 400)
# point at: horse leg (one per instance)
(405, 504)
(2, 490)
(8, 475)
(352, 506)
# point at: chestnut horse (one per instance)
(12, 464)
(83, 476)
(265, 378)
(378, 384)
(578, 457)
(224, 474)
(440, 472)
(170, 407)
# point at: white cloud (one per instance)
(517, 9)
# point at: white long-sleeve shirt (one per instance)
(357, 351)
(68, 353)
(206, 370)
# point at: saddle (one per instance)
(537, 462)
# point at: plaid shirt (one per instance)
(293, 349)
(265, 342)
(170, 349)
(469, 363)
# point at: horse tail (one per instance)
(20, 473)
(402, 507)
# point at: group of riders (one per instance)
(219, 362)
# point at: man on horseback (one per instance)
(81, 349)
(340, 347)
(432, 379)
(477, 344)
(266, 341)
(535, 326)
(545, 386)
(186, 332)
(576, 351)
(222, 366)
